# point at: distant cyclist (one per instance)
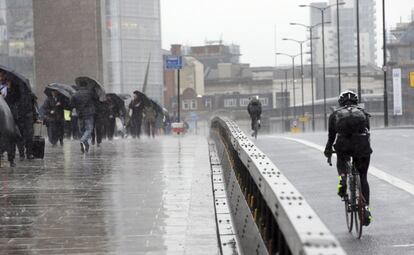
(255, 111)
(349, 135)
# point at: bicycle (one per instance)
(353, 200)
(256, 126)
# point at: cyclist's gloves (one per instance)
(328, 151)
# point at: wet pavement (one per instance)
(392, 230)
(126, 197)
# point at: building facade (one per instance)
(132, 39)
(16, 36)
(68, 41)
(348, 33)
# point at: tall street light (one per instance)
(293, 76)
(310, 28)
(301, 72)
(338, 38)
(322, 10)
(384, 51)
(358, 52)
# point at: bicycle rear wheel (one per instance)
(348, 208)
(359, 213)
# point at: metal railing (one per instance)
(284, 223)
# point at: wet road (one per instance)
(392, 231)
(127, 197)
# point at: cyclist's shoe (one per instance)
(342, 186)
(367, 216)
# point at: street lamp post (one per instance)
(322, 10)
(310, 28)
(302, 73)
(294, 83)
(339, 47)
(358, 53)
(384, 37)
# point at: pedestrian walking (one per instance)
(84, 103)
(137, 108)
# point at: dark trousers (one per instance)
(25, 144)
(150, 128)
(99, 131)
(362, 165)
(110, 128)
(56, 131)
(75, 127)
(136, 126)
(8, 145)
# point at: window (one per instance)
(186, 104)
(230, 102)
(208, 104)
(244, 101)
(264, 101)
(193, 104)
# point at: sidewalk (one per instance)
(127, 197)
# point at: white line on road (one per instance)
(396, 182)
(403, 246)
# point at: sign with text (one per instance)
(397, 84)
(174, 62)
(412, 79)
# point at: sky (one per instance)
(252, 24)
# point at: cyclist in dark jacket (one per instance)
(255, 110)
(84, 103)
(355, 144)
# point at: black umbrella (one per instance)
(93, 85)
(22, 82)
(7, 127)
(118, 101)
(63, 89)
(144, 98)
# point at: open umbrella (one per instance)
(7, 127)
(93, 85)
(118, 101)
(22, 82)
(63, 89)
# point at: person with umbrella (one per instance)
(84, 103)
(137, 108)
(116, 109)
(8, 114)
(53, 109)
(26, 113)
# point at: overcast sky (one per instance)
(251, 24)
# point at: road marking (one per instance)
(403, 246)
(396, 182)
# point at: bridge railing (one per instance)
(270, 214)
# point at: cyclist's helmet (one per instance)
(348, 97)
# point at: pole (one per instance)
(282, 107)
(294, 89)
(324, 71)
(358, 53)
(287, 103)
(178, 98)
(303, 96)
(339, 47)
(384, 31)
(312, 85)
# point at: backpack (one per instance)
(350, 120)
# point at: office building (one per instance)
(132, 39)
(16, 36)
